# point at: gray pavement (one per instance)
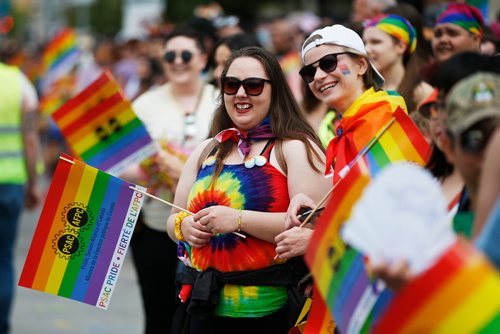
(41, 313)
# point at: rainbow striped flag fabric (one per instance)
(59, 57)
(320, 320)
(402, 141)
(354, 300)
(458, 294)
(82, 235)
(101, 128)
(338, 282)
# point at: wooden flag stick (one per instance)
(175, 206)
(161, 200)
(67, 160)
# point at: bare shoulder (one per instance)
(295, 146)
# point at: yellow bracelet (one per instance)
(178, 221)
(239, 221)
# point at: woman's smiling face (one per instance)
(180, 71)
(382, 49)
(247, 111)
(339, 88)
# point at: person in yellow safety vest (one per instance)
(18, 152)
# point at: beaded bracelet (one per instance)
(178, 221)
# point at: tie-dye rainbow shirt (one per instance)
(262, 189)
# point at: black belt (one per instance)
(208, 283)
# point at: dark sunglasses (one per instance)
(429, 110)
(327, 64)
(171, 55)
(475, 140)
(252, 86)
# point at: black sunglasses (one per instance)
(252, 86)
(171, 55)
(429, 110)
(475, 140)
(327, 64)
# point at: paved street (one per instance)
(41, 313)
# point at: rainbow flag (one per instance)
(401, 142)
(319, 321)
(60, 56)
(101, 128)
(60, 50)
(336, 284)
(82, 235)
(459, 294)
(354, 300)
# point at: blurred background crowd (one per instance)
(127, 37)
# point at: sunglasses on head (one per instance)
(327, 64)
(252, 86)
(171, 55)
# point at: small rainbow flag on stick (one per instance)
(458, 294)
(353, 299)
(401, 142)
(60, 56)
(83, 234)
(102, 129)
(337, 284)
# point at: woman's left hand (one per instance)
(292, 242)
(219, 219)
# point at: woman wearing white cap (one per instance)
(340, 74)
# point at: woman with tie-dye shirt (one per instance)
(263, 154)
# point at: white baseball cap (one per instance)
(341, 36)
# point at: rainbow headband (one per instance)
(463, 15)
(398, 27)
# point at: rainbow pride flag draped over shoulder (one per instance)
(82, 235)
(101, 128)
(458, 294)
(339, 272)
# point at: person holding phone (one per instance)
(339, 73)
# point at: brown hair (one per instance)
(411, 78)
(286, 119)
(369, 76)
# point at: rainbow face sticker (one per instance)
(344, 69)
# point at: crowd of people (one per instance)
(249, 124)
